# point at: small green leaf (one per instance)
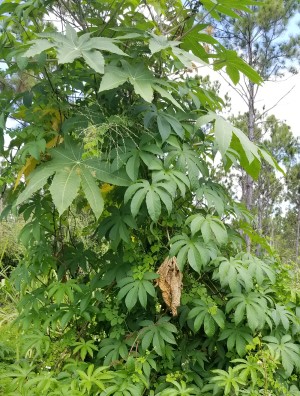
(164, 127)
(38, 46)
(153, 205)
(233, 73)
(94, 59)
(36, 181)
(132, 297)
(92, 192)
(223, 134)
(64, 188)
(113, 78)
(103, 172)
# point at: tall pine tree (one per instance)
(261, 38)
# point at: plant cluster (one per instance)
(113, 175)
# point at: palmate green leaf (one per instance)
(136, 289)
(211, 228)
(153, 194)
(228, 8)
(159, 43)
(165, 123)
(85, 348)
(193, 41)
(223, 130)
(142, 80)
(252, 307)
(230, 59)
(70, 47)
(98, 377)
(237, 338)
(157, 334)
(214, 195)
(207, 315)
(111, 350)
(229, 381)
(286, 350)
(249, 369)
(173, 178)
(116, 227)
(132, 154)
(71, 171)
(258, 269)
(192, 250)
(231, 141)
(187, 161)
(233, 273)
(280, 314)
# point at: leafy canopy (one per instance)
(110, 165)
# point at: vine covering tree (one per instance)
(134, 281)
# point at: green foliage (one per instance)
(112, 172)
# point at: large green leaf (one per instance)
(230, 60)
(117, 226)
(70, 47)
(233, 273)
(71, 171)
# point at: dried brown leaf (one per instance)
(170, 283)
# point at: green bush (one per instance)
(134, 280)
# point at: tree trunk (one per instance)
(259, 223)
(248, 199)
